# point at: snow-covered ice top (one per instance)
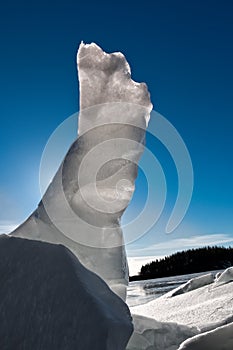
(106, 78)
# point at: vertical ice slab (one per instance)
(82, 207)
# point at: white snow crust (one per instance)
(205, 309)
(220, 338)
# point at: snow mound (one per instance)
(49, 301)
(204, 308)
(150, 334)
(220, 338)
(192, 284)
(225, 277)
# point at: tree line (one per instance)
(186, 262)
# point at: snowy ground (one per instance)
(204, 307)
(206, 312)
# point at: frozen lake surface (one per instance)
(141, 292)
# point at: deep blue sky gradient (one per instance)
(183, 50)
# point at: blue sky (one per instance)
(182, 49)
